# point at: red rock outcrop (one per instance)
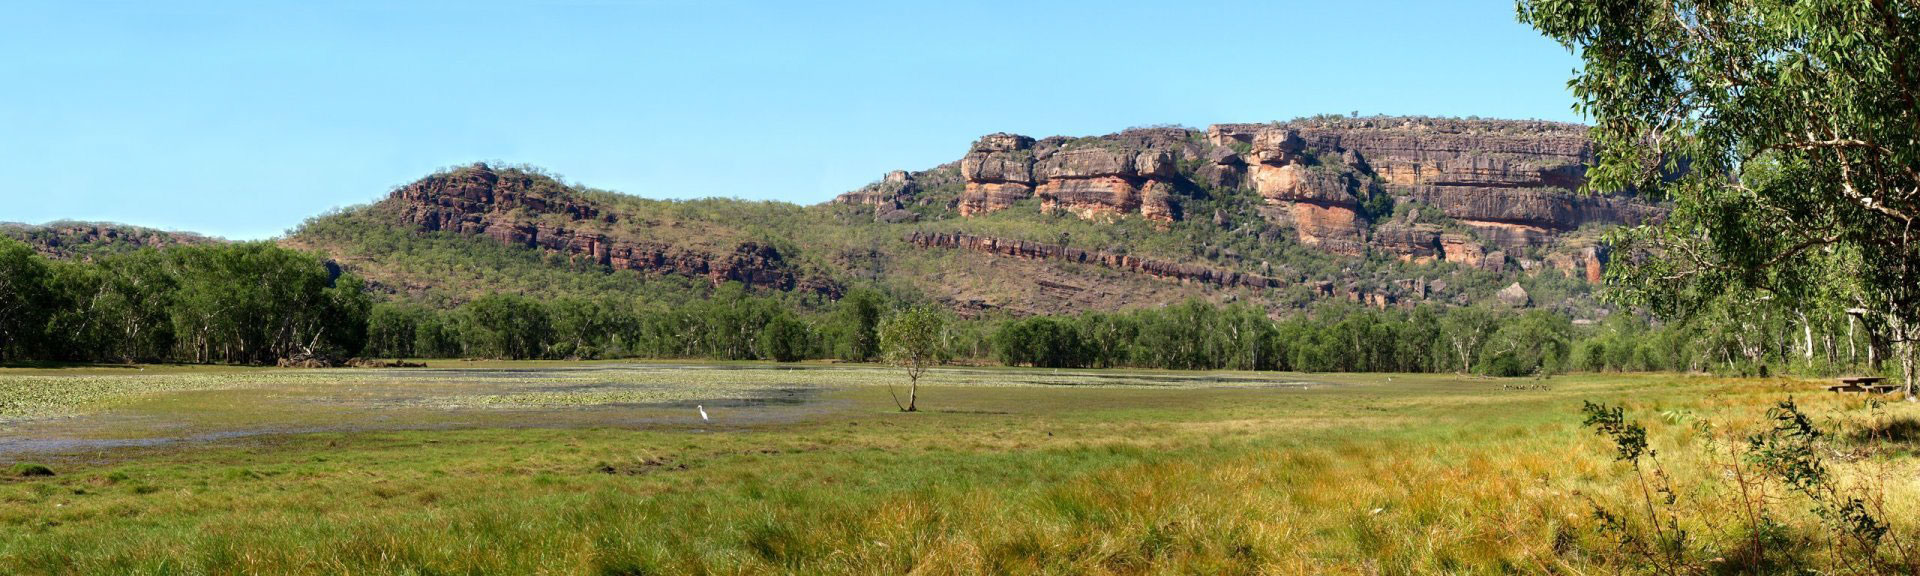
(1417, 243)
(1514, 180)
(1318, 200)
(1130, 173)
(1462, 249)
(1126, 262)
(507, 205)
(998, 171)
(1587, 263)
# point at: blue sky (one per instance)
(241, 119)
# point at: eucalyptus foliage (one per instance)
(1785, 133)
(914, 339)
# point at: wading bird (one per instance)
(703, 412)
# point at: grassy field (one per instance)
(608, 469)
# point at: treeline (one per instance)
(256, 303)
(734, 324)
(731, 324)
(1330, 338)
(1751, 339)
(242, 303)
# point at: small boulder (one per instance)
(1224, 156)
(895, 215)
(1513, 295)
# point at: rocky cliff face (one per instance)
(1491, 191)
(1318, 198)
(519, 208)
(1135, 172)
(1514, 182)
(1125, 262)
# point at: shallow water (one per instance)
(244, 405)
(76, 414)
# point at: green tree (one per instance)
(506, 326)
(255, 302)
(1042, 341)
(1108, 338)
(785, 338)
(24, 299)
(1787, 135)
(1465, 331)
(131, 309)
(1535, 343)
(74, 330)
(857, 322)
(436, 336)
(393, 329)
(1178, 336)
(1420, 349)
(915, 340)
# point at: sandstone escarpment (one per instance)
(1124, 262)
(1516, 181)
(1135, 172)
(1317, 199)
(520, 208)
(1494, 195)
(1513, 181)
(998, 171)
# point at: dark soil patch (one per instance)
(647, 466)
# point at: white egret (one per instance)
(703, 412)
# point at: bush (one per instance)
(29, 470)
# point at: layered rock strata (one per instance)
(1125, 262)
(1092, 178)
(1513, 184)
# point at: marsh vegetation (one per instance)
(607, 469)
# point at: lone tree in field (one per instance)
(913, 339)
(1786, 134)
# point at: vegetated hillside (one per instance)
(70, 239)
(1384, 211)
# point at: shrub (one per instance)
(29, 470)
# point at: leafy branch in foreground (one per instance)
(1657, 496)
(1844, 519)
(1786, 135)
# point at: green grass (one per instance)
(1022, 471)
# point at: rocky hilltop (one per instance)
(1488, 194)
(84, 239)
(518, 207)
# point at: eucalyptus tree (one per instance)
(915, 340)
(24, 299)
(1785, 133)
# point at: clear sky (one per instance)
(243, 118)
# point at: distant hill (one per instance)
(1383, 211)
(70, 239)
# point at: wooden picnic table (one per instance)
(1874, 384)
